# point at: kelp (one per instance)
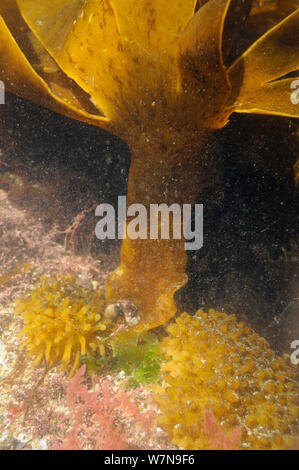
(163, 78)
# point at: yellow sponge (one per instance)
(62, 321)
(217, 365)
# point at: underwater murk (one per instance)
(138, 343)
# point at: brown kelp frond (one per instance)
(153, 24)
(233, 28)
(29, 71)
(259, 77)
(265, 14)
(107, 46)
(181, 51)
(202, 52)
(71, 31)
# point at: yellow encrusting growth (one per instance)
(215, 363)
(62, 321)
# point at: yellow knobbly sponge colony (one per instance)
(62, 321)
(216, 365)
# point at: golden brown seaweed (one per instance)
(161, 78)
